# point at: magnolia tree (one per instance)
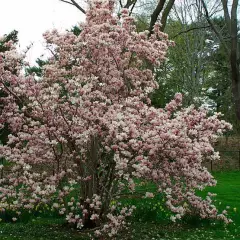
(87, 127)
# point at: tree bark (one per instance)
(166, 13)
(234, 59)
(155, 15)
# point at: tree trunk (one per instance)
(234, 59)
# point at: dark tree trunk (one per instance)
(234, 58)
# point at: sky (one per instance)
(31, 18)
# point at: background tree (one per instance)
(187, 65)
(230, 45)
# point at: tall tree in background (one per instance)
(187, 67)
(230, 44)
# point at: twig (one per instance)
(218, 34)
(190, 29)
(74, 3)
(66, 2)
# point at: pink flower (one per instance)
(149, 195)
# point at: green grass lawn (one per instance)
(228, 195)
(149, 222)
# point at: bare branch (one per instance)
(55, 56)
(78, 6)
(190, 29)
(129, 3)
(218, 34)
(74, 3)
(132, 7)
(120, 2)
(66, 2)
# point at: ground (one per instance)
(149, 222)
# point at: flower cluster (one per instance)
(87, 126)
